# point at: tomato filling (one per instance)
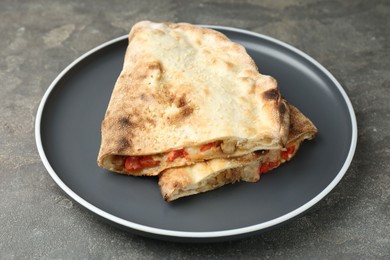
(267, 166)
(134, 163)
(176, 154)
(284, 155)
(208, 146)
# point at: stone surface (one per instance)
(39, 38)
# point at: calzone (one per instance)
(187, 94)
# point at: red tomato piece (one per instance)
(147, 162)
(267, 166)
(134, 163)
(181, 153)
(205, 147)
(286, 154)
(263, 168)
(273, 165)
(290, 150)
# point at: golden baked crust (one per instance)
(183, 86)
(209, 175)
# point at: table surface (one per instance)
(40, 38)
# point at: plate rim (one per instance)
(202, 234)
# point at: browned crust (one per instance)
(136, 121)
(174, 182)
(300, 125)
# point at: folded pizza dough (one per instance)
(209, 175)
(188, 94)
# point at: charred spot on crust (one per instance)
(155, 66)
(133, 123)
(282, 108)
(271, 94)
(186, 111)
(181, 102)
(181, 115)
(123, 144)
(124, 122)
(184, 107)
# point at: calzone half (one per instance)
(188, 94)
(209, 175)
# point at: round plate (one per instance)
(68, 139)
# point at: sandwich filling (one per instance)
(184, 156)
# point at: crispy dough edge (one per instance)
(173, 182)
(283, 115)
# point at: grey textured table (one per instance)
(40, 38)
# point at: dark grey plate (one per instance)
(68, 139)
